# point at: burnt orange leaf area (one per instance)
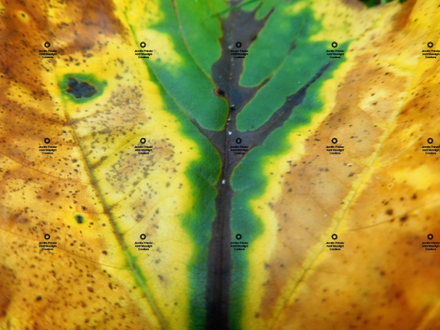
(203, 164)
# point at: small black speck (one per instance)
(79, 218)
(39, 298)
(220, 92)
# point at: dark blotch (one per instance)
(389, 212)
(79, 218)
(39, 298)
(220, 92)
(80, 89)
(404, 218)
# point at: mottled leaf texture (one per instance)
(238, 214)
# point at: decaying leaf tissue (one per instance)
(219, 165)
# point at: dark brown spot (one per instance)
(219, 92)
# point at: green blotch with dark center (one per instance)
(79, 218)
(81, 88)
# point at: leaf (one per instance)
(195, 199)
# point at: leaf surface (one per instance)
(192, 196)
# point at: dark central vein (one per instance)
(226, 73)
(240, 26)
